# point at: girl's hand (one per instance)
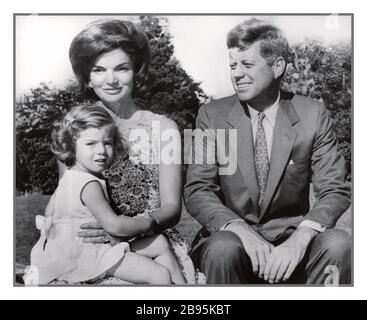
(152, 230)
(148, 234)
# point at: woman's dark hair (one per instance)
(102, 36)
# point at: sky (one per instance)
(42, 44)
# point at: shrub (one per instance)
(36, 167)
(323, 72)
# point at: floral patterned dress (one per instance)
(133, 179)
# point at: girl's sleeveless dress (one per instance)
(133, 179)
(60, 254)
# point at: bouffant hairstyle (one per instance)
(103, 36)
(273, 44)
(67, 129)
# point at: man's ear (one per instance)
(279, 67)
(89, 85)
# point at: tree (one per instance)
(172, 91)
(36, 167)
(323, 72)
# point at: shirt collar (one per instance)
(270, 113)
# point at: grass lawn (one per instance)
(27, 207)
(27, 235)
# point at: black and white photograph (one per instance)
(183, 150)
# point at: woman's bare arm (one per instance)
(170, 176)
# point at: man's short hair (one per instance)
(273, 44)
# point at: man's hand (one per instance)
(93, 233)
(285, 258)
(257, 248)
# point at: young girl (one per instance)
(86, 140)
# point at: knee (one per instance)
(162, 243)
(336, 244)
(160, 276)
(223, 246)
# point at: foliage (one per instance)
(172, 91)
(323, 72)
(36, 167)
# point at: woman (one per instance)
(110, 59)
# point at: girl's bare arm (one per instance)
(94, 199)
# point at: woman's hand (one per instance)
(93, 233)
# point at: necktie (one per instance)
(261, 158)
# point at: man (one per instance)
(259, 227)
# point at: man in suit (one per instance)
(258, 225)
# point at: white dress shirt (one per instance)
(269, 124)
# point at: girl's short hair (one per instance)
(102, 36)
(78, 119)
(273, 44)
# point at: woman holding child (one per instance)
(110, 59)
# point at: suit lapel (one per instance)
(284, 136)
(239, 119)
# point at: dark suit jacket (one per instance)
(304, 151)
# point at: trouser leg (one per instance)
(223, 260)
(328, 258)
